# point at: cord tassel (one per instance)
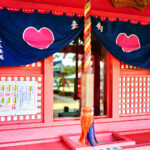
(86, 123)
(91, 136)
(94, 133)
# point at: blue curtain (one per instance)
(128, 42)
(30, 37)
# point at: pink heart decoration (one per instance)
(128, 43)
(40, 39)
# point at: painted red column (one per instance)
(115, 87)
(48, 89)
(96, 85)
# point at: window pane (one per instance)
(66, 103)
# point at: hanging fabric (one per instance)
(126, 41)
(30, 37)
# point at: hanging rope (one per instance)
(87, 37)
(87, 124)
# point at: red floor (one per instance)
(140, 138)
(41, 146)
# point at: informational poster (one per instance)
(18, 98)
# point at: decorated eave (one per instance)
(100, 8)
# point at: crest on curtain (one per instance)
(40, 39)
(128, 43)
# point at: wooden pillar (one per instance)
(48, 89)
(96, 85)
(112, 86)
(108, 84)
(76, 79)
(115, 87)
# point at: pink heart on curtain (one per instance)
(40, 39)
(128, 43)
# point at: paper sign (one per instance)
(18, 98)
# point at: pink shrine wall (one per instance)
(124, 114)
(33, 72)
